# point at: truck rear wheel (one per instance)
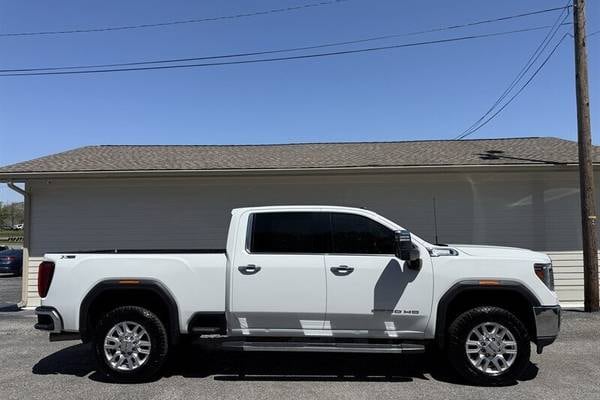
(488, 346)
(130, 344)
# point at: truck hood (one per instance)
(500, 252)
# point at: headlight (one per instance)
(545, 273)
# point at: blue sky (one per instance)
(429, 92)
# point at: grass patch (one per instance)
(6, 233)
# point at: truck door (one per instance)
(370, 292)
(278, 274)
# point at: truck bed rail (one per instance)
(144, 251)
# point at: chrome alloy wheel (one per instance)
(127, 346)
(491, 348)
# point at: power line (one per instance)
(178, 22)
(262, 60)
(449, 27)
(278, 10)
(530, 62)
(519, 91)
(257, 53)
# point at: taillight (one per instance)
(545, 273)
(45, 273)
(9, 258)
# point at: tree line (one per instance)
(11, 214)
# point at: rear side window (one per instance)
(355, 234)
(290, 232)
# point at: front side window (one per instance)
(290, 232)
(356, 234)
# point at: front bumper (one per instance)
(547, 325)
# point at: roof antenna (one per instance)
(435, 226)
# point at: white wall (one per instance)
(32, 298)
(538, 210)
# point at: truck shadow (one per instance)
(199, 362)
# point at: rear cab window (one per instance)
(290, 232)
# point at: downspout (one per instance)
(26, 233)
(17, 189)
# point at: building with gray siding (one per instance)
(511, 192)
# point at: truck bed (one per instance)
(195, 279)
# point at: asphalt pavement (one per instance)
(10, 291)
(33, 368)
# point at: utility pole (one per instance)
(586, 173)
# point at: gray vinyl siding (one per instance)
(537, 210)
(532, 210)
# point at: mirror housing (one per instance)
(405, 249)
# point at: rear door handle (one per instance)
(342, 270)
(249, 269)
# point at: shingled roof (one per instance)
(431, 153)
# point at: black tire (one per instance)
(158, 338)
(458, 333)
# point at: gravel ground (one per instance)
(33, 368)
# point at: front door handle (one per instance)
(342, 270)
(249, 269)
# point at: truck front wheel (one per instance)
(130, 344)
(488, 346)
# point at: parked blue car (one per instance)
(11, 261)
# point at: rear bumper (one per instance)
(48, 320)
(547, 325)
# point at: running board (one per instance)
(326, 347)
(205, 330)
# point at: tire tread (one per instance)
(158, 335)
(463, 324)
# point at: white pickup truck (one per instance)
(306, 278)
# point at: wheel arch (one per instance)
(138, 291)
(472, 293)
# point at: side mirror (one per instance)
(405, 249)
